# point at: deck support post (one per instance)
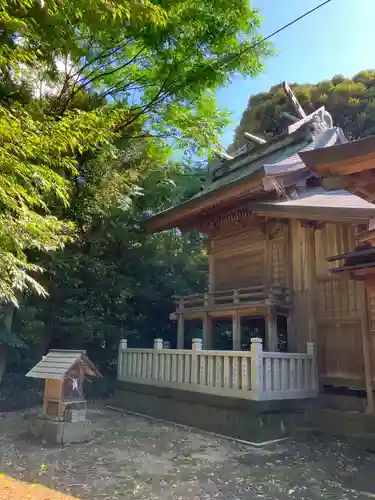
(207, 332)
(180, 331)
(236, 331)
(271, 330)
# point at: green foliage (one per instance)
(103, 92)
(37, 159)
(97, 96)
(116, 282)
(350, 101)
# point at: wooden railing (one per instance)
(272, 295)
(254, 374)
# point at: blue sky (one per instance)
(338, 38)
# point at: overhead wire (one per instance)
(279, 30)
(276, 32)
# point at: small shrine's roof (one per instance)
(57, 363)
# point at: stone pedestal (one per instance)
(61, 432)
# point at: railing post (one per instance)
(196, 346)
(256, 368)
(158, 343)
(311, 350)
(122, 346)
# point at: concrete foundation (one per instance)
(61, 432)
(252, 421)
(356, 428)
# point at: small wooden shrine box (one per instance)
(64, 372)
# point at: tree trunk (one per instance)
(3, 360)
(7, 319)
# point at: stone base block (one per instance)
(61, 432)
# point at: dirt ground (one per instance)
(134, 458)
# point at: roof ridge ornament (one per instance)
(321, 118)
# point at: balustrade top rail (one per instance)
(276, 294)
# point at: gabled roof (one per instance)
(317, 204)
(242, 177)
(57, 363)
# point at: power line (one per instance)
(294, 21)
(279, 30)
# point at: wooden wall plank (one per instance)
(338, 312)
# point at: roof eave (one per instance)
(350, 166)
(171, 217)
(341, 159)
(327, 214)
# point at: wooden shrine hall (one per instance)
(273, 221)
(352, 166)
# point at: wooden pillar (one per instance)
(267, 270)
(211, 273)
(208, 341)
(271, 330)
(366, 349)
(236, 331)
(180, 331)
(304, 286)
(311, 285)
